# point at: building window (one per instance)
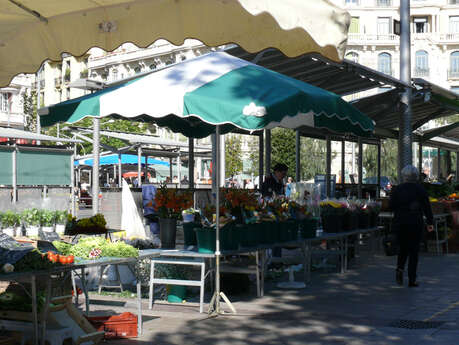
(352, 56)
(455, 89)
(384, 3)
(137, 69)
(5, 102)
(385, 63)
(420, 25)
(453, 2)
(454, 24)
(355, 25)
(114, 74)
(352, 2)
(421, 64)
(383, 26)
(454, 65)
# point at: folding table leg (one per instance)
(151, 291)
(201, 292)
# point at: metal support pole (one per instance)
(420, 157)
(405, 132)
(120, 172)
(95, 165)
(267, 151)
(222, 160)
(360, 167)
(343, 163)
(179, 167)
(145, 170)
(297, 155)
(261, 149)
(217, 214)
(191, 162)
(72, 181)
(170, 168)
(438, 163)
(328, 168)
(139, 166)
(457, 166)
(378, 187)
(448, 163)
(15, 176)
(213, 177)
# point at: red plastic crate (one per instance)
(116, 326)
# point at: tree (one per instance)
(283, 148)
(389, 157)
(370, 160)
(313, 157)
(254, 154)
(233, 155)
(29, 103)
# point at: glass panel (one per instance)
(384, 63)
(39, 168)
(454, 24)
(389, 157)
(455, 62)
(370, 164)
(336, 160)
(351, 162)
(383, 26)
(313, 157)
(422, 60)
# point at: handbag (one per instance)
(391, 245)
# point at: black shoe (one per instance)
(413, 284)
(399, 276)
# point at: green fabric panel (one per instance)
(39, 168)
(6, 162)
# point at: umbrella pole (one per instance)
(217, 294)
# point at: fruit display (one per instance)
(34, 261)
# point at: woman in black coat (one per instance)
(410, 203)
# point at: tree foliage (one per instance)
(254, 155)
(29, 103)
(233, 155)
(283, 148)
(313, 157)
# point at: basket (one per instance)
(116, 326)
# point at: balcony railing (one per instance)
(421, 72)
(453, 74)
(362, 38)
(383, 3)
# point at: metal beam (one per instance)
(432, 116)
(261, 157)
(438, 131)
(360, 168)
(328, 169)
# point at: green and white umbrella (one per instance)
(216, 89)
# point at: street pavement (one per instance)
(361, 306)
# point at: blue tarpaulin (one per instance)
(125, 159)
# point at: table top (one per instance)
(391, 215)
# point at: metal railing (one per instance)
(421, 72)
(358, 37)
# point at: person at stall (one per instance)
(273, 184)
(410, 203)
(148, 199)
(288, 187)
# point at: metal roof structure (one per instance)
(13, 133)
(342, 78)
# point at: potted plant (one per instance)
(60, 220)
(10, 222)
(31, 219)
(169, 204)
(175, 293)
(47, 220)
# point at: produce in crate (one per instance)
(90, 226)
(107, 249)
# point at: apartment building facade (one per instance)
(11, 101)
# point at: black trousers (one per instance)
(409, 237)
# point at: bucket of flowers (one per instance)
(332, 213)
(351, 216)
(374, 209)
(364, 214)
(169, 203)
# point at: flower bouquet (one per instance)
(169, 203)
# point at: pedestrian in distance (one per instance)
(410, 203)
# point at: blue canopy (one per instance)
(125, 159)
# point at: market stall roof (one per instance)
(125, 159)
(20, 134)
(194, 96)
(342, 78)
(429, 102)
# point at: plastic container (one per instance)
(189, 234)
(205, 239)
(116, 326)
(176, 293)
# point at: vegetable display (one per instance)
(86, 245)
(92, 225)
(35, 261)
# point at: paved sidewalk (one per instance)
(362, 306)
